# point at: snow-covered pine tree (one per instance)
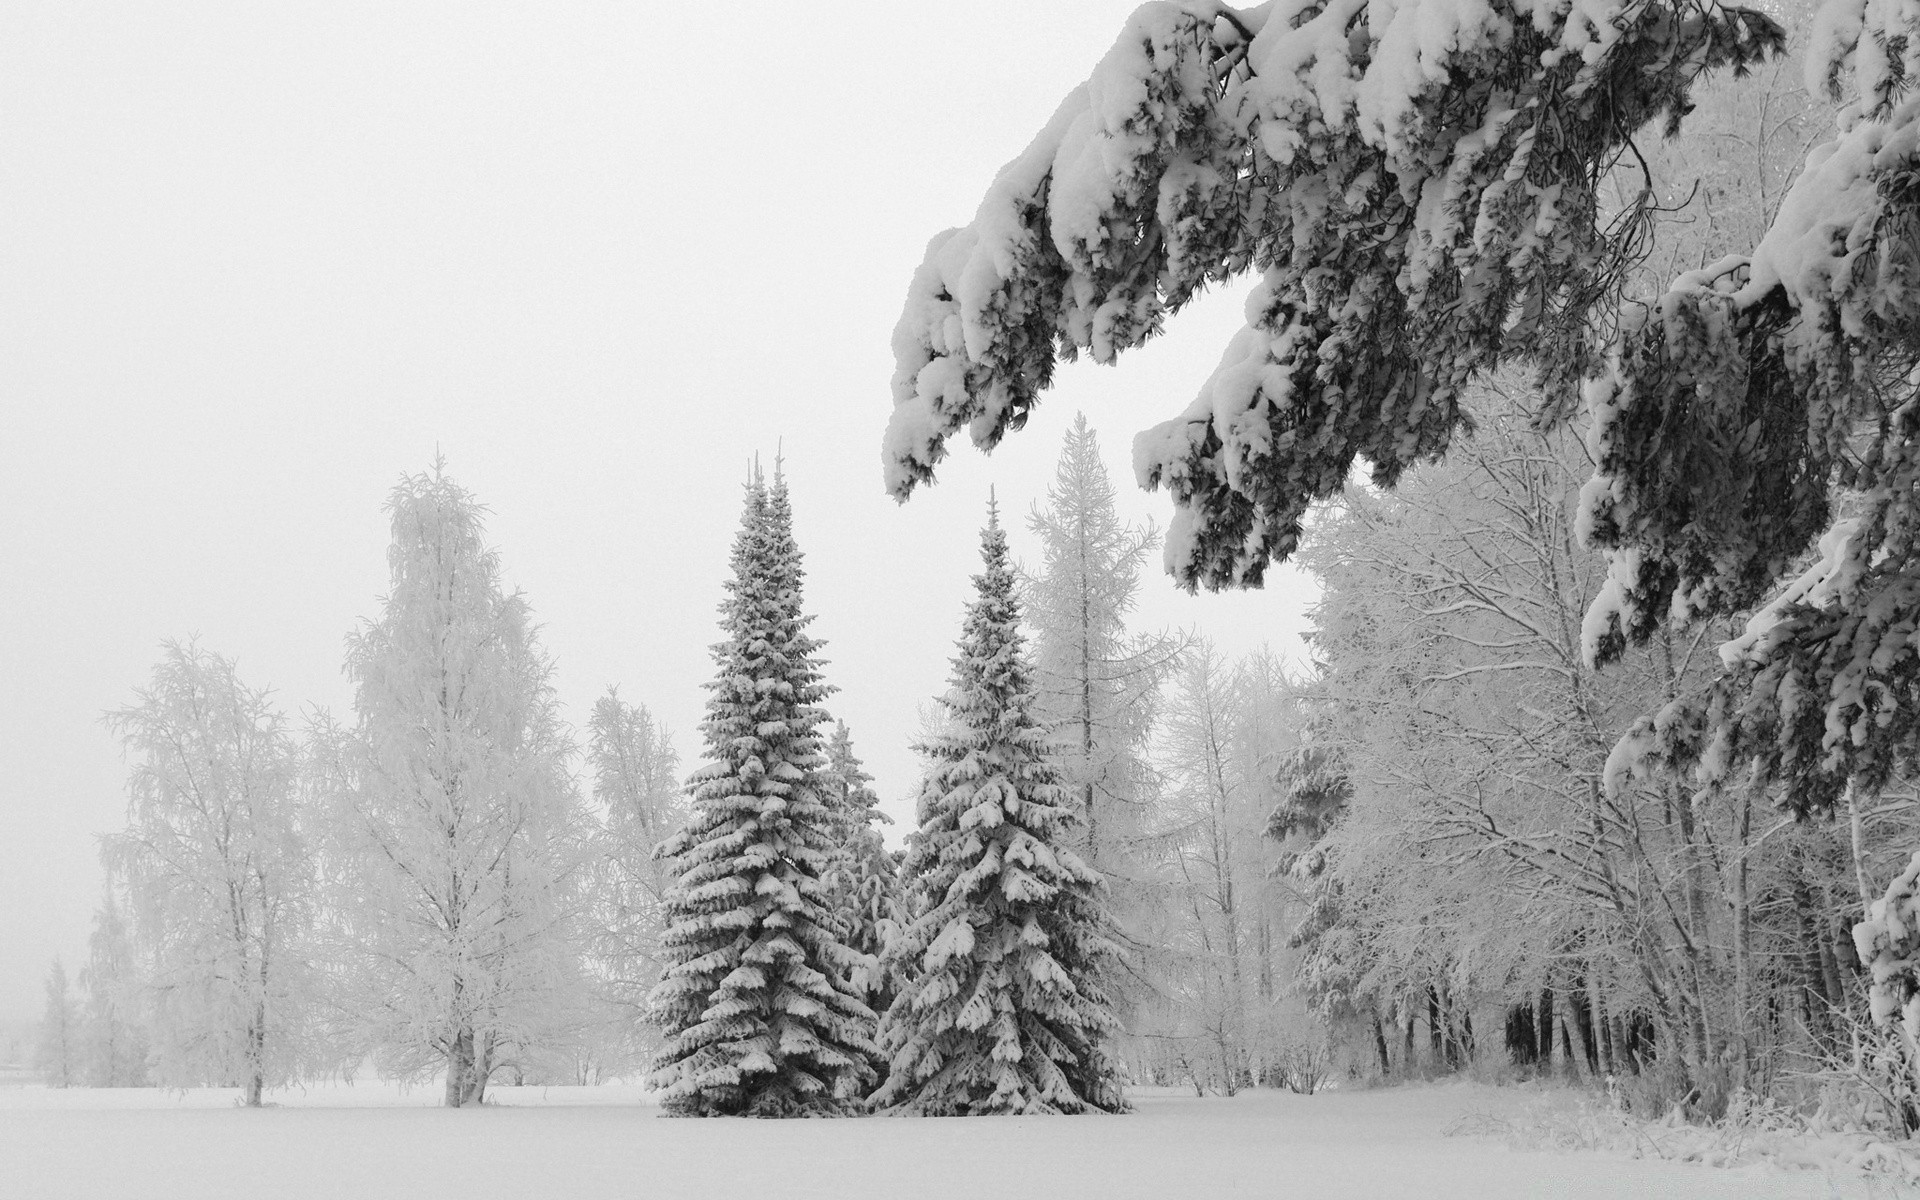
(1313, 793)
(862, 877)
(461, 845)
(57, 1051)
(1001, 1007)
(758, 1011)
(218, 874)
(1418, 184)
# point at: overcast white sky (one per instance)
(258, 261)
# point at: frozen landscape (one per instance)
(1440, 719)
(377, 1141)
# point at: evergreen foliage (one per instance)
(758, 1011)
(1314, 792)
(1762, 407)
(1418, 183)
(862, 877)
(1001, 1008)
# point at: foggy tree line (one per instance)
(1402, 861)
(424, 888)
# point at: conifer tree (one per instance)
(862, 877)
(758, 1010)
(1097, 686)
(1001, 1009)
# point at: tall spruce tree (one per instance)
(1001, 1009)
(757, 1007)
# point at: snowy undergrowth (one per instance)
(1845, 1152)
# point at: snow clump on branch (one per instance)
(1414, 178)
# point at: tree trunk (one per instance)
(1523, 1040)
(1578, 1055)
(1567, 1034)
(1434, 1049)
(462, 1086)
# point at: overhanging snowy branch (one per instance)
(1416, 180)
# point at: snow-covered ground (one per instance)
(366, 1142)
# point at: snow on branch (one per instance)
(1736, 400)
(1415, 180)
(1743, 407)
(1888, 941)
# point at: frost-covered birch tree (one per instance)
(1215, 926)
(460, 845)
(218, 874)
(757, 1007)
(1002, 1005)
(636, 787)
(115, 1032)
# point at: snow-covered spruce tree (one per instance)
(57, 1049)
(862, 878)
(759, 1014)
(461, 844)
(218, 875)
(1313, 794)
(635, 772)
(115, 1033)
(1097, 687)
(1417, 183)
(1001, 1007)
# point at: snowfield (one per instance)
(372, 1141)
